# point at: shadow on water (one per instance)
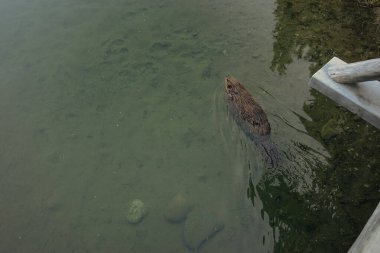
(346, 188)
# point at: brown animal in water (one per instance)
(251, 118)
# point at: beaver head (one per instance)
(231, 86)
(234, 89)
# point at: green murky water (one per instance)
(103, 102)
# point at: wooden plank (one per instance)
(369, 239)
(356, 72)
(361, 98)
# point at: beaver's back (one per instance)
(251, 118)
(246, 111)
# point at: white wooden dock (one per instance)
(362, 98)
(369, 239)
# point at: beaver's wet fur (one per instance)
(251, 118)
(244, 107)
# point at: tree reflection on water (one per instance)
(349, 191)
(317, 30)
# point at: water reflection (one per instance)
(329, 219)
(318, 30)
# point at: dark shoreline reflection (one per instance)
(318, 30)
(330, 219)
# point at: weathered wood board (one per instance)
(361, 98)
(369, 239)
(355, 72)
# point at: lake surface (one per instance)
(103, 102)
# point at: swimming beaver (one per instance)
(251, 118)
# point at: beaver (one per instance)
(251, 118)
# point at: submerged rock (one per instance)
(161, 45)
(199, 228)
(331, 129)
(178, 208)
(136, 211)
